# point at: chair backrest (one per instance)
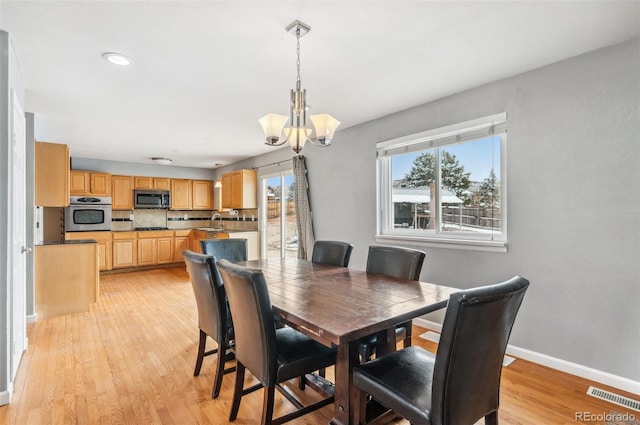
(209, 293)
(332, 252)
(395, 261)
(225, 249)
(250, 305)
(468, 366)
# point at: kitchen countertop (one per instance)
(75, 242)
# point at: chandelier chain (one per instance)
(298, 57)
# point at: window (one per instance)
(446, 186)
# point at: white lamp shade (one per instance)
(325, 125)
(272, 125)
(297, 137)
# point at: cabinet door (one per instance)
(236, 189)
(226, 190)
(79, 183)
(165, 250)
(51, 174)
(144, 182)
(202, 191)
(122, 192)
(181, 243)
(161, 183)
(125, 253)
(100, 184)
(147, 252)
(104, 254)
(180, 194)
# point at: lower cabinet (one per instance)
(181, 242)
(125, 249)
(104, 245)
(155, 247)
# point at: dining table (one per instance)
(337, 306)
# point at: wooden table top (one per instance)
(335, 305)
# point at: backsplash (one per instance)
(129, 220)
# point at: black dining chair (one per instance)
(214, 319)
(233, 250)
(398, 262)
(336, 253)
(272, 355)
(460, 384)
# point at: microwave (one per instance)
(151, 199)
(88, 214)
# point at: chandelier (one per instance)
(324, 125)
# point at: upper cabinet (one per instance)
(181, 194)
(51, 174)
(122, 192)
(191, 194)
(159, 183)
(202, 194)
(239, 189)
(90, 183)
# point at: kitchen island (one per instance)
(67, 278)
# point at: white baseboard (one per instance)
(596, 375)
(32, 318)
(5, 396)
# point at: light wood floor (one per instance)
(130, 361)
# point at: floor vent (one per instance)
(435, 337)
(614, 398)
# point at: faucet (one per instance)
(213, 217)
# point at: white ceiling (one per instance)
(205, 71)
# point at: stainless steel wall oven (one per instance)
(88, 213)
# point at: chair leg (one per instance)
(220, 363)
(302, 382)
(491, 418)
(237, 391)
(360, 408)
(267, 405)
(201, 347)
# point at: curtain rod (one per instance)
(273, 163)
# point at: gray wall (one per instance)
(573, 174)
(132, 169)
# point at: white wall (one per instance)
(573, 201)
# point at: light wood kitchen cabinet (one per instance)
(196, 237)
(165, 250)
(181, 242)
(181, 194)
(240, 189)
(155, 247)
(159, 183)
(105, 245)
(89, 183)
(122, 192)
(125, 249)
(66, 279)
(202, 194)
(226, 190)
(51, 174)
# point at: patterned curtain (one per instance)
(303, 211)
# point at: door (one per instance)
(17, 238)
(279, 228)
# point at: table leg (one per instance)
(345, 394)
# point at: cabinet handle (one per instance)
(26, 249)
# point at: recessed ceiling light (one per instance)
(117, 58)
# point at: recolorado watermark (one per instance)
(604, 417)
